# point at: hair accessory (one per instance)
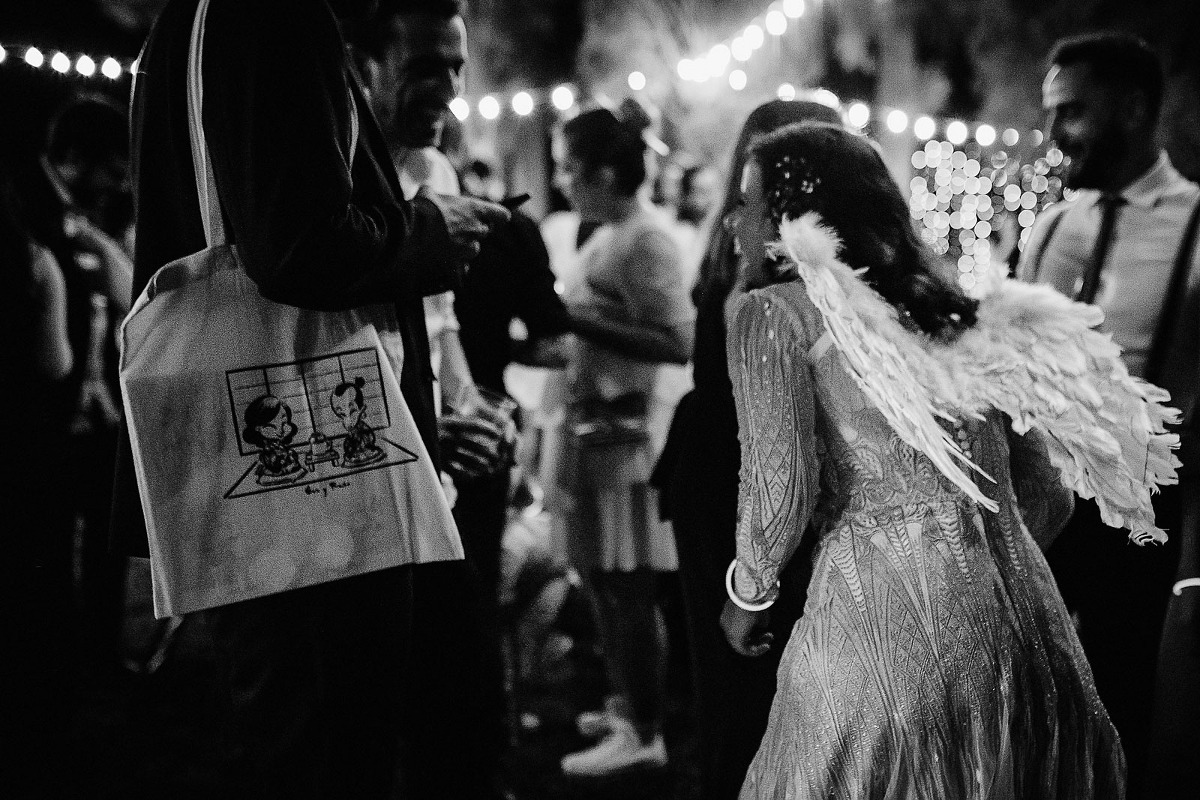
(791, 177)
(762, 605)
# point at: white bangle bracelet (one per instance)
(1186, 583)
(739, 602)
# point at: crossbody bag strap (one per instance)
(206, 183)
(1173, 303)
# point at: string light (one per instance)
(985, 135)
(897, 121)
(776, 23)
(111, 68)
(522, 104)
(489, 107)
(859, 114)
(637, 81)
(924, 128)
(3, 55)
(718, 60)
(737, 80)
(562, 98)
(740, 49)
(786, 92)
(60, 62)
(460, 108)
(753, 36)
(793, 8)
(956, 132)
(85, 66)
(827, 98)
(34, 57)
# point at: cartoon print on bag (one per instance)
(290, 417)
(269, 426)
(348, 404)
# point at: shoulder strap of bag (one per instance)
(1176, 295)
(206, 183)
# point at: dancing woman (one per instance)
(930, 444)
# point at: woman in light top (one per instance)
(929, 443)
(630, 313)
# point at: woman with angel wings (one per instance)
(932, 444)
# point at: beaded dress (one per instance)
(935, 658)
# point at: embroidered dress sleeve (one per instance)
(774, 395)
(1045, 503)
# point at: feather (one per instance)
(890, 370)
(1033, 354)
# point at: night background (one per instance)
(978, 62)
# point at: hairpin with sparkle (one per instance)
(792, 177)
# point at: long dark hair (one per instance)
(838, 174)
(718, 268)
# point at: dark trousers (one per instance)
(454, 701)
(316, 679)
(1120, 591)
(733, 692)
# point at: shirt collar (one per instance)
(1148, 190)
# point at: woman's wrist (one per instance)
(733, 581)
(1185, 583)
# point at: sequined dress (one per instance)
(935, 658)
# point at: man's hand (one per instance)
(472, 446)
(468, 220)
(745, 630)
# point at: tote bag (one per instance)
(272, 446)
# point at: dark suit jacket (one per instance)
(312, 229)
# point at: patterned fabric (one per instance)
(935, 658)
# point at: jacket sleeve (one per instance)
(537, 304)
(278, 115)
(774, 395)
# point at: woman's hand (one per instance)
(746, 630)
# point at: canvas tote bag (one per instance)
(272, 447)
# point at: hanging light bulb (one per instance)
(522, 104)
(34, 57)
(897, 121)
(956, 132)
(111, 68)
(793, 8)
(985, 135)
(924, 127)
(859, 114)
(85, 66)
(737, 80)
(489, 107)
(776, 23)
(637, 81)
(786, 92)
(563, 98)
(460, 108)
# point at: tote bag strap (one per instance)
(206, 183)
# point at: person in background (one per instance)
(1127, 243)
(86, 160)
(699, 476)
(457, 689)
(317, 679)
(630, 314)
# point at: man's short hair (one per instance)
(1116, 59)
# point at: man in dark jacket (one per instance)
(314, 675)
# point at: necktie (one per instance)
(1109, 205)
